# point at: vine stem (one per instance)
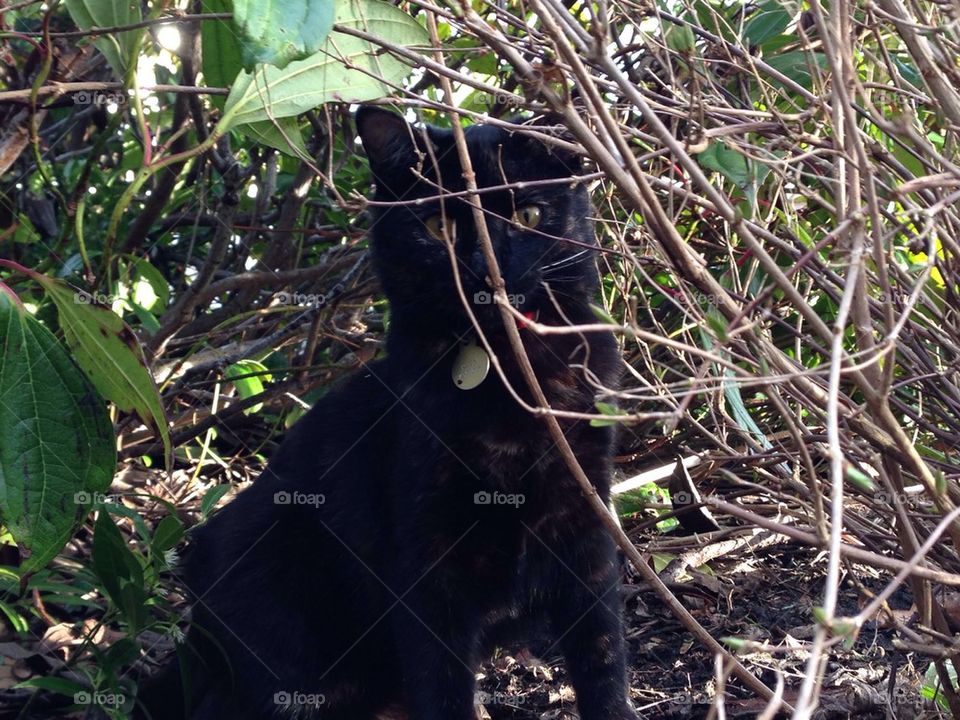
(553, 426)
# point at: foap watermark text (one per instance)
(484, 298)
(295, 700)
(282, 497)
(498, 498)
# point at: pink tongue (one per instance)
(529, 315)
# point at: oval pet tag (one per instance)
(471, 366)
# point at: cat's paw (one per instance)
(623, 712)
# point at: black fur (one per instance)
(383, 600)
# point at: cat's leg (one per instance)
(436, 649)
(586, 617)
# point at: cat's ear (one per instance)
(384, 134)
(563, 159)
(388, 139)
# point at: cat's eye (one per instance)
(527, 216)
(438, 226)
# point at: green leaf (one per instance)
(25, 232)
(150, 288)
(119, 571)
(484, 63)
(115, 508)
(717, 324)
(680, 38)
(796, 66)
(58, 685)
(731, 391)
(347, 69)
(932, 688)
(56, 440)
(250, 385)
(602, 315)
(661, 560)
(279, 31)
(859, 478)
(116, 47)
(283, 134)
(727, 161)
(605, 409)
(734, 643)
(168, 533)
(222, 53)
(110, 354)
(940, 482)
(211, 499)
(909, 71)
(770, 19)
(19, 623)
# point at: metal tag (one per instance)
(471, 366)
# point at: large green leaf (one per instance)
(119, 571)
(770, 19)
(279, 31)
(57, 444)
(222, 53)
(110, 354)
(283, 134)
(347, 69)
(117, 48)
(247, 381)
(797, 65)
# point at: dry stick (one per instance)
(635, 187)
(848, 204)
(918, 556)
(553, 426)
(75, 87)
(895, 437)
(813, 482)
(940, 85)
(886, 433)
(854, 553)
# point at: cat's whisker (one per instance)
(564, 262)
(561, 278)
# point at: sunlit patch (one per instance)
(168, 37)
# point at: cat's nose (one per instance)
(478, 261)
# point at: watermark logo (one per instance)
(100, 97)
(500, 98)
(283, 497)
(94, 498)
(498, 698)
(88, 298)
(498, 498)
(310, 300)
(102, 699)
(907, 703)
(891, 498)
(696, 298)
(296, 700)
(692, 698)
(485, 298)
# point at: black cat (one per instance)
(417, 516)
